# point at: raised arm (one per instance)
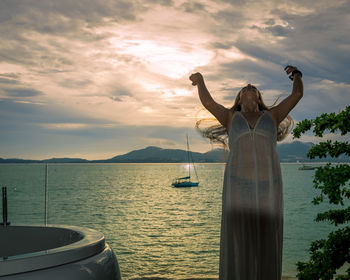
(220, 112)
(282, 110)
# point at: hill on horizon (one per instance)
(288, 152)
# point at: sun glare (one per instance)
(187, 167)
(167, 60)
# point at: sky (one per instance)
(96, 79)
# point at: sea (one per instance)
(156, 231)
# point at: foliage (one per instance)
(328, 255)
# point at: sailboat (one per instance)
(306, 167)
(184, 182)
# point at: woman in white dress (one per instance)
(252, 198)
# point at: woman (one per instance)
(252, 199)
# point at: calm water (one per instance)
(154, 229)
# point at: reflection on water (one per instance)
(156, 231)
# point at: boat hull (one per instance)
(185, 184)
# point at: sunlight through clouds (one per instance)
(64, 126)
(124, 66)
(163, 59)
(146, 109)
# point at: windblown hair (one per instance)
(217, 133)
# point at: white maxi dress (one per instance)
(252, 203)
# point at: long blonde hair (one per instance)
(217, 133)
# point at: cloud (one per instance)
(65, 126)
(89, 140)
(193, 7)
(8, 81)
(276, 30)
(85, 70)
(54, 17)
(72, 83)
(29, 114)
(22, 92)
(316, 42)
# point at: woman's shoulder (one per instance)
(231, 113)
(273, 114)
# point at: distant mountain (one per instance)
(292, 152)
(156, 154)
(65, 160)
(52, 160)
(288, 152)
(18, 160)
(216, 155)
(297, 151)
(152, 154)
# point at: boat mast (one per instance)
(188, 157)
(194, 167)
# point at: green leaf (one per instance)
(331, 180)
(328, 255)
(336, 217)
(331, 122)
(333, 149)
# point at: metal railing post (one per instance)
(46, 193)
(4, 208)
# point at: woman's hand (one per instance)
(196, 78)
(290, 69)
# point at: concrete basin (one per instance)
(55, 252)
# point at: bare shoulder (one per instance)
(229, 119)
(230, 114)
